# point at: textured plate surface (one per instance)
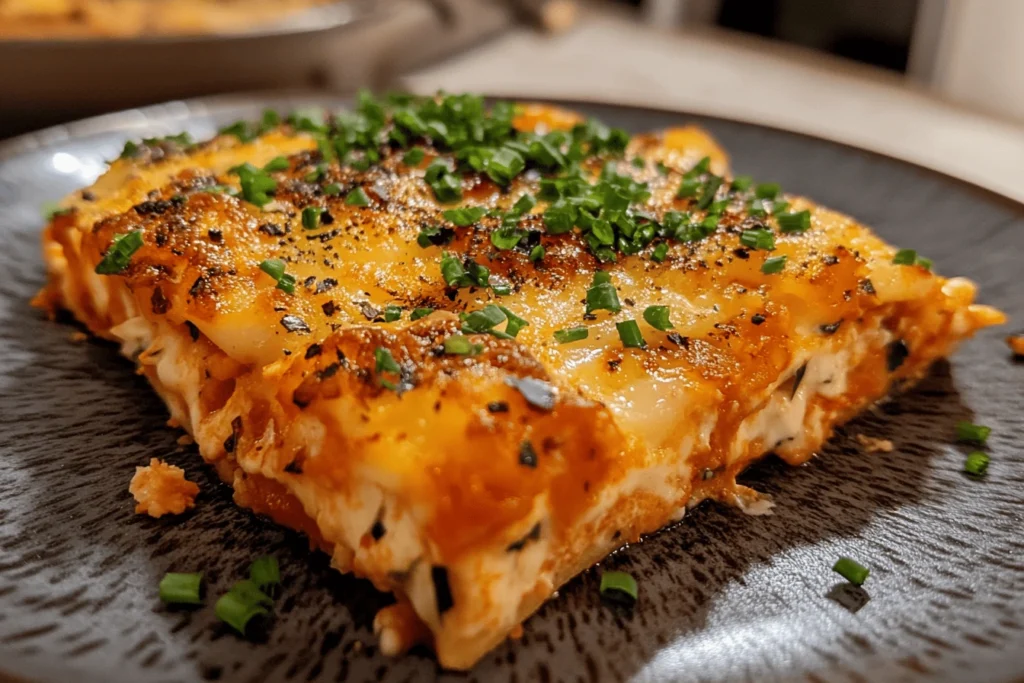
(724, 597)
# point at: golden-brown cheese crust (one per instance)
(293, 411)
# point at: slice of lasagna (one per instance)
(472, 351)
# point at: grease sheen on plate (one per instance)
(748, 599)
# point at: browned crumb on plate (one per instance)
(78, 337)
(873, 445)
(161, 489)
(185, 440)
(1016, 344)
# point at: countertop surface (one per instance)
(606, 58)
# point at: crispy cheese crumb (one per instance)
(161, 489)
(1016, 344)
(398, 628)
(185, 440)
(873, 445)
(78, 337)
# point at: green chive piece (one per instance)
(265, 573)
(759, 238)
(773, 265)
(905, 257)
(181, 589)
(572, 334)
(741, 183)
(276, 164)
(657, 317)
(504, 165)
(601, 277)
(660, 252)
(924, 262)
(459, 345)
(501, 288)
(537, 253)
(638, 162)
(619, 587)
(515, 323)
(909, 257)
(235, 610)
(392, 313)
(453, 272)
(690, 187)
(311, 217)
(799, 221)
(976, 464)
(767, 190)
(332, 189)
(418, 313)
(385, 362)
(708, 191)
(256, 184)
(483, 320)
(972, 433)
(119, 255)
(629, 333)
(414, 157)
(506, 237)
(274, 267)
(524, 204)
(357, 197)
(464, 216)
(603, 297)
(851, 570)
(51, 210)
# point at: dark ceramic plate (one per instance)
(724, 597)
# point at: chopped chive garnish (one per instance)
(265, 573)
(972, 433)
(707, 193)
(571, 334)
(418, 313)
(851, 570)
(909, 257)
(275, 268)
(51, 210)
(461, 346)
(311, 217)
(690, 187)
(385, 362)
(619, 587)
(976, 464)
(767, 191)
(357, 197)
(601, 277)
(506, 237)
(758, 238)
(794, 222)
(742, 183)
(238, 608)
(332, 189)
(773, 265)
(464, 216)
(515, 323)
(524, 204)
(537, 253)
(119, 255)
(504, 165)
(453, 272)
(256, 184)
(657, 317)
(181, 589)
(276, 164)
(483, 320)
(629, 333)
(392, 313)
(638, 162)
(905, 257)
(603, 297)
(414, 157)
(659, 253)
(501, 288)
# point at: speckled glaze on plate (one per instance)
(724, 597)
